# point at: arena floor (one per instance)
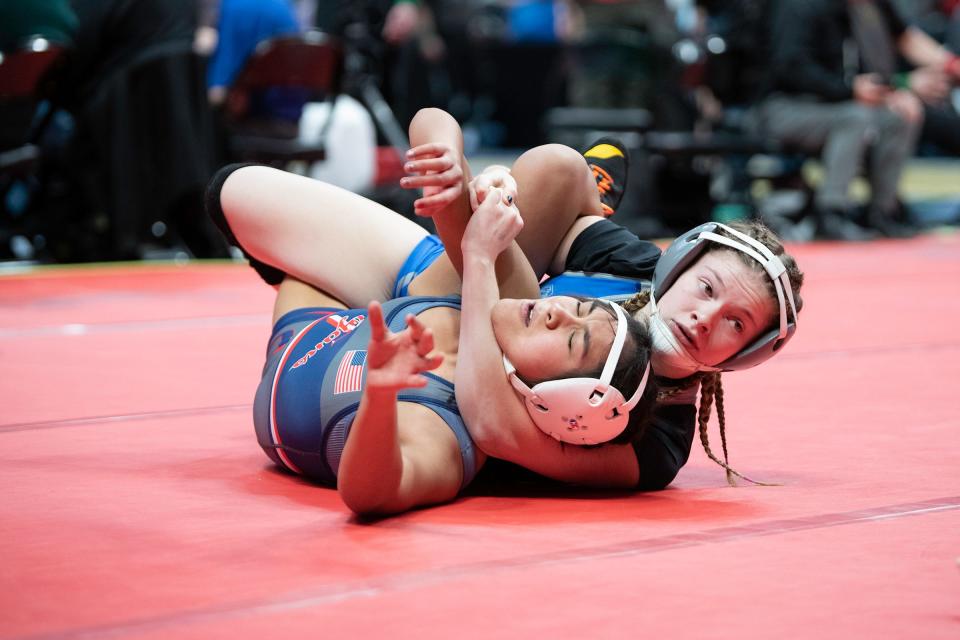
(137, 504)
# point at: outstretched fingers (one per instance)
(378, 328)
(429, 205)
(423, 340)
(447, 176)
(436, 169)
(428, 150)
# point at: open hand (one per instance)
(396, 360)
(435, 167)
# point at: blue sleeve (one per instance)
(242, 25)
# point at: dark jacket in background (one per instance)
(144, 144)
(808, 40)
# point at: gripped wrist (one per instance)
(477, 258)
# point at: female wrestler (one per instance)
(557, 189)
(362, 398)
(721, 302)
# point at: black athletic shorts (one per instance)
(607, 247)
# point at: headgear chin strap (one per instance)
(582, 410)
(665, 343)
(691, 245)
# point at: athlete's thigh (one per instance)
(554, 188)
(293, 294)
(340, 242)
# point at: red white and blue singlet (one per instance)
(313, 379)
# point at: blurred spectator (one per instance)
(832, 68)
(143, 150)
(939, 18)
(31, 75)
(240, 26)
(54, 20)
(739, 47)
(414, 58)
(941, 125)
(622, 57)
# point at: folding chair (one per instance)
(312, 63)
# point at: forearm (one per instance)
(436, 125)
(488, 403)
(515, 275)
(371, 466)
(921, 50)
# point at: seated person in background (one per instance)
(241, 25)
(832, 69)
(933, 83)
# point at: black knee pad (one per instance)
(270, 275)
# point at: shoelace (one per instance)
(604, 181)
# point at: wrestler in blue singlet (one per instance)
(313, 379)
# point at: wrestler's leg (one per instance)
(292, 294)
(339, 242)
(555, 187)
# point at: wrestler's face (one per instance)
(556, 337)
(715, 308)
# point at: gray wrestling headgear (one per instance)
(691, 245)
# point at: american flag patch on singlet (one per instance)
(350, 372)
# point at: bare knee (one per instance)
(559, 178)
(556, 161)
(239, 192)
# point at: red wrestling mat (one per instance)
(136, 503)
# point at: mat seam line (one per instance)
(413, 581)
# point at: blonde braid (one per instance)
(637, 302)
(721, 419)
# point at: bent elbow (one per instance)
(363, 501)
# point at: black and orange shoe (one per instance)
(609, 162)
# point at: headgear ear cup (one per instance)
(582, 410)
(685, 250)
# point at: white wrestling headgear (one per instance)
(681, 254)
(582, 410)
